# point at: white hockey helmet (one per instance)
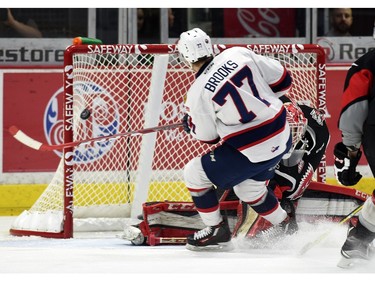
(195, 44)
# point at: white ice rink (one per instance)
(111, 255)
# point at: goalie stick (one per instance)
(311, 244)
(30, 142)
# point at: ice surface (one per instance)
(93, 255)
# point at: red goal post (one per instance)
(99, 186)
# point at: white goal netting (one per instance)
(126, 88)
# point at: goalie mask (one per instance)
(194, 45)
(298, 124)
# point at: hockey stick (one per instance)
(311, 244)
(30, 142)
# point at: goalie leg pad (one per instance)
(251, 225)
(246, 218)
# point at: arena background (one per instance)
(31, 71)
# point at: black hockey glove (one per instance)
(345, 167)
(186, 123)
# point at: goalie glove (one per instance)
(345, 167)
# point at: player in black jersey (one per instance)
(357, 124)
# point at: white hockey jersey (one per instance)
(235, 98)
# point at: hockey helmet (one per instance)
(297, 123)
(194, 45)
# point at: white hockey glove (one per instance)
(345, 167)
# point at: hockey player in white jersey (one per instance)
(235, 100)
(295, 171)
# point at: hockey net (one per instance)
(126, 88)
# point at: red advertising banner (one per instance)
(335, 85)
(260, 22)
(26, 96)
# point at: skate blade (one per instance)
(221, 247)
(350, 263)
(345, 263)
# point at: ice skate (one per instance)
(211, 238)
(358, 246)
(265, 230)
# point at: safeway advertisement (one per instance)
(28, 94)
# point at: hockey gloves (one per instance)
(186, 123)
(345, 167)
